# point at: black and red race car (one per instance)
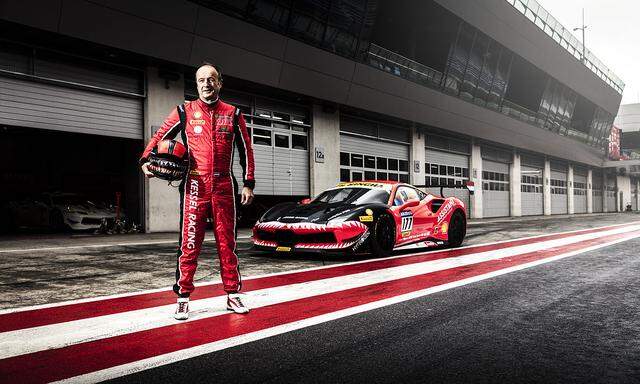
(375, 217)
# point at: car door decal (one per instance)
(407, 223)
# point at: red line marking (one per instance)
(76, 311)
(78, 359)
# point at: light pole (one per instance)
(582, 29)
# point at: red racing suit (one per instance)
(209, 190)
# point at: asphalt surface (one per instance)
(570, 321)
(41, 269)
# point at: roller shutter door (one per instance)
(445, 167)
(495, 189)
(532, 192)
(634, 195)
(363, 158)
(33, 104)
(596, 192)
(579, 191)
(559, 203)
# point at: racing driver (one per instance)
(209, 128)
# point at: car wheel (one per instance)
(56, 221)
(457, 229)
(383, 236)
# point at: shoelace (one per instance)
(182, 307)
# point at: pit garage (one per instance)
(532, 196)
(559, 202)
(447, 162)
(634, 195)
(495, 181)
(597, 190)
(579, 190)
(71, 130)
(370, 150)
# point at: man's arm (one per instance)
(245, 150)
(168, 130)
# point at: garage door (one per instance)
(558, 189)
(495, 189)
(445, 168)
(55, 91)
(610, 194)
(531, 187)
(363, 158)
(634, 195)
(596, 191)
(579, 190)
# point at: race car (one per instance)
(374, 217)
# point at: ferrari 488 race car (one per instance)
(375, 217)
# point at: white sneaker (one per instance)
(235, 304)
(182, 309)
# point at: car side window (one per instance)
(404, 194)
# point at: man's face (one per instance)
(208, 83)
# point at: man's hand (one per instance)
(146, 171)
(247, 196)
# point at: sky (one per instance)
(612, 34)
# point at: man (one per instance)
(211, 128)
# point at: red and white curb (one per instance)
(75, 341)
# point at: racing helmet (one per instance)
(169, 160)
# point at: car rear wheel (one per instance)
(457, 229)
(383, 236)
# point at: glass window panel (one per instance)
(261, 140)
(474, 66)
(282, 141)
(344, 174)
(369, 162)
(457, 61)
(281, 116)
(381, 176)
(369, 175)
(434, 169)
(393, 176)
(356, 160)
(404, 177)
(404, 166)
(393, 164)
(298, 142)
(263, 122)
(298, 128)
(450, 171)
(382, 163)
(356, 176)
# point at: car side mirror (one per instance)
(305, 201)
(409, 204)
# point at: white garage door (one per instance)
(495, 189)
(634, 195)
(559, 203)
(610, 194)
(531, 188)
(446, 168)
(596, 191)
(579, 190)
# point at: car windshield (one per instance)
(71, 200)
(354, 196)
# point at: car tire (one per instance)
(457, 229)
(383, 236)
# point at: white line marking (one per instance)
(128, 294)
(157, 361)
(61, 335)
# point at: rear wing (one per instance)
(468, 185)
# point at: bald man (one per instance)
(210, 128)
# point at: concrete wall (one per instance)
(161, 202)
(546, 187)
(515, 193)
(417, 157)
(570, 202)
(325, 134)
(186, 33)
(475, 165)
